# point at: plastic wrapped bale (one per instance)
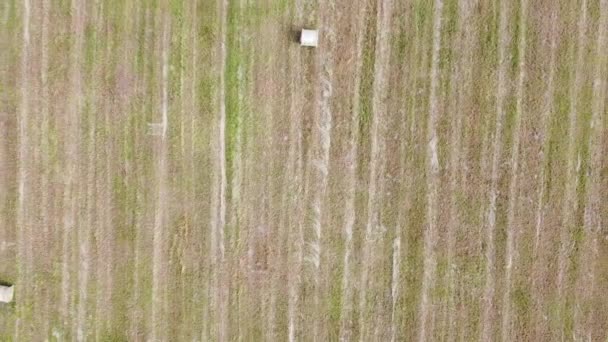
(6, 294)
(309, 38)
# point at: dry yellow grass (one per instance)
(434, 170)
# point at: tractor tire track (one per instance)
(483, 175)
(315, 134)
(23, 281)
(395, 282)
(45, 183)
(546, 113)
(218, 201)
(159, 262)
(373, 232)
(346, 311)
(543, 136)
(36, 237)
(190, 167)
(320, 155)
(570, 202)
(408, 80)
(72, 157)
(6, 239)
(453, 165)
(488, 314)
(417, 109)
(432, 170)
(593, 222)
(297, 188)
(513, 230)
(84, 238)
(277, 256)
(463, 74)
(236, 182)
(140, 219)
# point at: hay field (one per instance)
(436, 170)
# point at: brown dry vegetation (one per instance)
(434, 170)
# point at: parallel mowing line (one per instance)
(545, 121)
(86, 230)
(321, 157)
(377, 162)
(182, 237)
(405, 165)
(295, 162)
(73, 156)
(196, 287)
(266, 229)
(213, 282)
(432, 169)
(416, 108)
(395, 283)
(453, 187)
(136, 314)
(237, 159)
(142, 321)
(488, 296)
(279, 264)
(546, 113)
(570, 201)
(592, 216)
(351, 181)
(23, 281)
(127, 58)
(244, 300)
(217, 192)
(512, 225)
(193, 106)
(484, 174)
(159, 263)
(49, 234)
(104, 300)
(84, 233)
(80, 274)
(404, 176)
(108, 221)
(30, 210)
(463, 79)
(275, 257)
(4, 150)
(311, 186)
(219, 209)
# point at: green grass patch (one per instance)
(140, 57)
(516, 37)
(413, 256)
(367, 73)
(12, 23)
(522, 302)
(90, 48)
(280, 7)
(236, 76)
(449, 31)
(423, 14)
(335, 304)
(233, 65)
(557, 143)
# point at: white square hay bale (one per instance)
(6, 294)
(309, 38)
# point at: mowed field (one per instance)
(184, 170)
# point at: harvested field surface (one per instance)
(435, 170)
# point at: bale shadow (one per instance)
(294, 34)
